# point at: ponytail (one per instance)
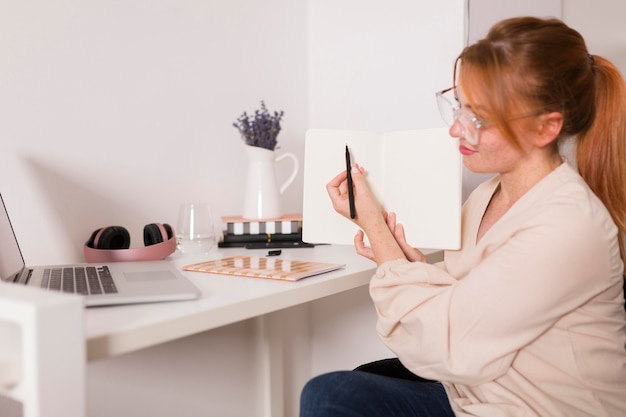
(601, 149)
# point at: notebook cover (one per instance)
(263, 267)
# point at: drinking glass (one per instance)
(195, 231)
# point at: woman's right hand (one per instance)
(368, 210)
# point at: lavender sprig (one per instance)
(262, 129)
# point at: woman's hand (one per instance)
(387, 237)
(368, 209)
(361, 249)
(397, 230)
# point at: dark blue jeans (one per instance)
(380, 389)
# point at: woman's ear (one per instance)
(550, 125)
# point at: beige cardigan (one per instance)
(530, 320)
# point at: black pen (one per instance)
(350, 189)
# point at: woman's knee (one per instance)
(323, 392)
(323, 385)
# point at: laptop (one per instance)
(99, 284)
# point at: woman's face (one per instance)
(493, 153)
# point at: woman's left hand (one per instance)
(397, 230)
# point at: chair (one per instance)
(42, 354)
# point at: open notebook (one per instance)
(268, 267)
(415, 173)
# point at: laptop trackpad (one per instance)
(149, 276)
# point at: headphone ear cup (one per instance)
(169, 230)
(112, 237)
(90, 242)
(152, 233)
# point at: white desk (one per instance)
(226, 300)
(46, 343)
(114, 331)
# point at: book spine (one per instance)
(280, 237)
(266, 245)
(271, 227)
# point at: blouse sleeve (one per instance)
(468, 330)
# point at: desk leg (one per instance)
(269, 347)
(52, 351)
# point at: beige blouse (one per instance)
(530, 320)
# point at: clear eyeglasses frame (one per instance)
(451, 111)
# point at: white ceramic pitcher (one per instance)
(263, 196)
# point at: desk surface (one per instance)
(225, 300)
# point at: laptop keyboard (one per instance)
(79, 280)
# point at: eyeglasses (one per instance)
(451, 111)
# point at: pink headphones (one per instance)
(112, 243)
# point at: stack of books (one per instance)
(285, 231)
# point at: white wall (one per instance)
(484, 13)
(601, 22)
(194, 377)
(116, 112)
(377, 65)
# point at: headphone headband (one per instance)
(146, 253)
(160, 241)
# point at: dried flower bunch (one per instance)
(260, 130)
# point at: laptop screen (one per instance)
(11, 260)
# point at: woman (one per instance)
(527, 318)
